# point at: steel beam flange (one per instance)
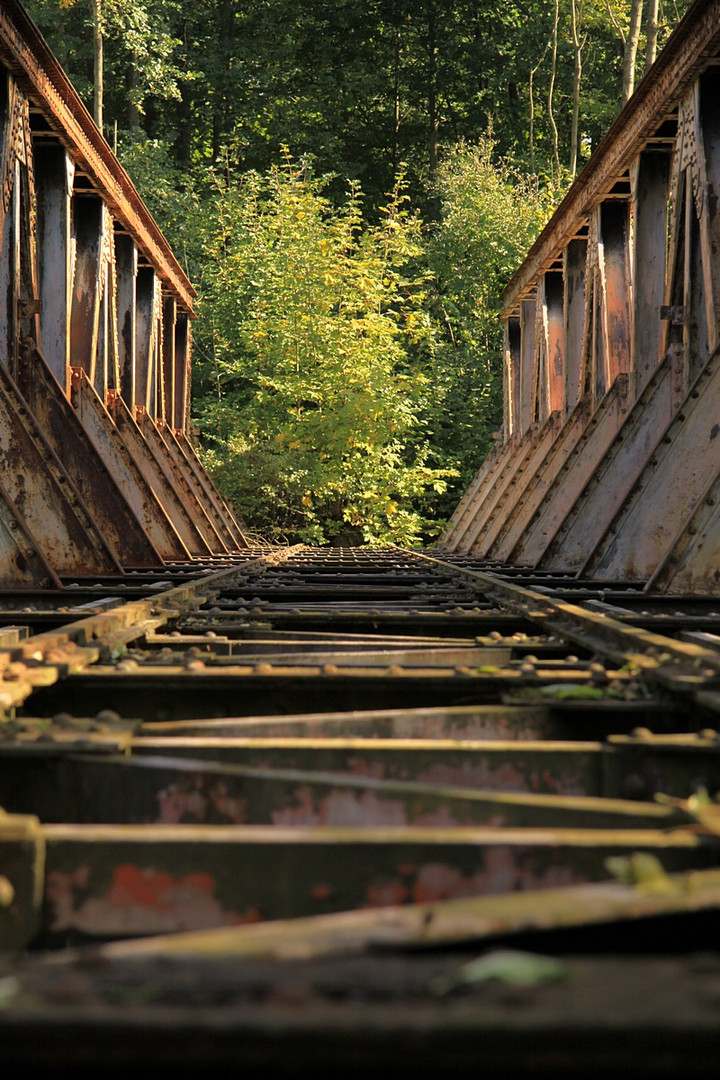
(22, 857)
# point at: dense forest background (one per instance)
(349, 183)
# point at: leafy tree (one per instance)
(319, 342)
(490, 214)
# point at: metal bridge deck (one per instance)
(289, 800)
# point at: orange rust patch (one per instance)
(153, 888)
(252, 915)
(389, 892)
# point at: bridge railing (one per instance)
(611, 328)
(95, 340)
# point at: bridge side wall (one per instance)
(95, 339)
(612, 328)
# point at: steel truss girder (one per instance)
(633, 499)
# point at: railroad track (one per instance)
(315, 753)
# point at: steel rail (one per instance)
(677, 664)
(44, 658)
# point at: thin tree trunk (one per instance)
(631, 46)
(432, 89)
(576, 14)
(533, 73)
(551, 88)
(133, 113)
(652, 33)
(396, 101)
(98, 62)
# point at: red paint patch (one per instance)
(252, 915)
(386, 894)
(154, 888)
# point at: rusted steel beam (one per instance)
(111, 449)
(211, 492)
(22, 879)
(614, 273)
(501, 482)
(551, 768)
(146, 335)
(574, 269)
(611, 483)
(178, 479)
(169, 317)
(88, 227)
(450, 536)
(459, 723)
(678, 665)
(126, 257)
(21, 561)
(651, 176)
(54, 174)
(181, 410)
(144, 455)
(674, 481)
(539, 483)
(570, 481)
(483, 484)
(528, 350)
(203, 490)
(106, 881)
(43, 491)
(691, 562)
(445, 922)
(513, 494)
(90, 475)
(24, 52)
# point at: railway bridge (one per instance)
(340, 810)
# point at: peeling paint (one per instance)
(138, 900)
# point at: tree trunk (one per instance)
(396, 101)
(98, 62)
(432, 88)
(631, 46)
(576, 13)
(551, 88)
(652, 33)
(133, 113)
